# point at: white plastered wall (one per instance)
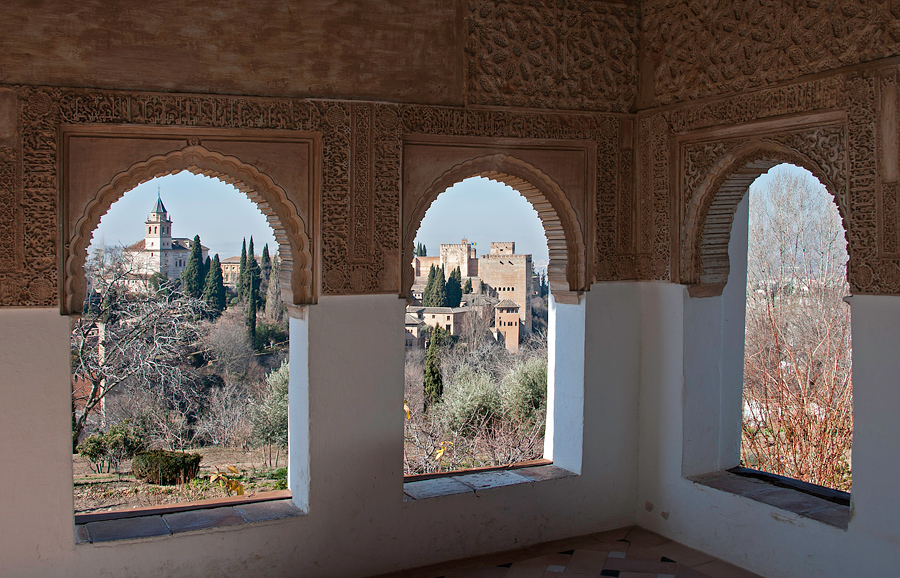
(357, 523)
(689, 414)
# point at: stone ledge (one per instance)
(804, 503)
(149, 526)
(473, 482)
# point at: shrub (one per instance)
(470, 402)
(121, 442)
(166, 468)
(524, 389)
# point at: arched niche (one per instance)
(297, 281)
(567, 271)
(710, 214)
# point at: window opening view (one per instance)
(797, 414)
(179, 360)
(476, 332)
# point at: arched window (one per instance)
(478, 395)
(185, 379)
(797, 418)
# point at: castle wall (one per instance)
(510, 277)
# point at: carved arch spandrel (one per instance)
(567, 271)
(296, 281)
(710, 212)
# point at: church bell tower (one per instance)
(158, 234)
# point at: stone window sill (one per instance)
(806, 500)
(464, 482)
(188, 517)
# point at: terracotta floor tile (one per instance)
(682, 554)
(688, 572)
(544, 561)
(481, 573)
(612, 535)
(525, 572)
(607, 546)
(641, 553)
(645, 538)
(588, 561)
(567, 574)
(719, 569)
(649, 566)
(636, 575)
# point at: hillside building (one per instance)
(502, 273)
(159, 251)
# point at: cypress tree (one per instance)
(206, 265)
(434, 384)
(423, 252)
(428, 292)
(253, 278)
(454, 288)
(214, 288)
(251, 316)
(274, 306)
(242, 272)
(440, 288)
(467, 288)
(191, 277)
(265, 264)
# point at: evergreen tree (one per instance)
(265, 264)
(274, 306)
(206, 265)
(242, 272)
(251, 315)
(423, 252)
(191, 277)
(253, 278)
(434, 384)
(440, 288)
(214, 288)
(428, 293)
(467, 288)
(454, 288)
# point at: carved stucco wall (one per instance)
(562, 54)
(361, 164)
(700, 48)
(840, 127)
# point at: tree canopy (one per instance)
(192, 277)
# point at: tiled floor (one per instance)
(626, 553)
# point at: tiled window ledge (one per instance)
(474, 482)
(168, 522)
(834, 511)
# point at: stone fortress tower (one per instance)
(509, 276)
(502, 275)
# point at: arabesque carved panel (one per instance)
(559, 54)
(700, 48)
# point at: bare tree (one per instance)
(227, 342)
(797, 376)
(129, 338)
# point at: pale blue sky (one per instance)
(483, 211)
(478, 209)
(197, 205)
